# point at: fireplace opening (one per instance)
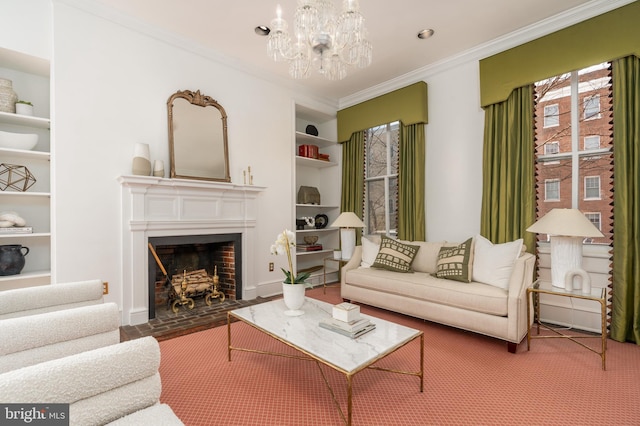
(213, 254)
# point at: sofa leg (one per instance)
(512, 347)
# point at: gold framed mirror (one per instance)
(198, 147)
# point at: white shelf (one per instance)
(25, 276)
(317, 206)
(24, 194)
(32, 235)
(24, 120)
(30, 155)
(309, 253)
(312, 162)
(305, 139)
(312, 231)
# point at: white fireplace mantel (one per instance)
(158, 207)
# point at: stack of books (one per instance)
(347, 321)
(16, 230)
(308, 247)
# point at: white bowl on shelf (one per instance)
(26, 141)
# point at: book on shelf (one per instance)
(16, 230)
(353, 334)
(308, 247)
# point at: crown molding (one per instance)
(105, 12)
(500, 44)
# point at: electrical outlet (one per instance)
(270, 266)
(105, 287)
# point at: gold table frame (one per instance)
(310, 357)
(596, 295)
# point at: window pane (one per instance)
(376, 152)
(393, 206)
(376, 207)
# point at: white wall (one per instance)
(111, 85)
(454, 154)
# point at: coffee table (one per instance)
(343, 354)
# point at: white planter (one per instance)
(24, 109)
(293, 298)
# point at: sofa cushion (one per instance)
(395, 256)
(472, 296)
(370, 249)
(493, 263)
(427, 256)
(455, 263)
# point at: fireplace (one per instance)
(219, 254)
(155, 209)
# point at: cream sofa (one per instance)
(117, 384)
(475, 306)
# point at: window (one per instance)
(592, 188)
(592, 107)
(591, 142)
(552, 190)
(381, 179)
(551, 148)
(551, 116)
(580, 174)
(594, 218)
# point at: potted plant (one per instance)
(293, 286)
(24, 107)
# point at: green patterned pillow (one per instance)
(395, 256)
(455, 263)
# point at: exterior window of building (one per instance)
(381, 179)
(580, 174)
(591, 142)
(594, 218)
(551, 116)
(592, 188)
(551, 148)
(592, 107)
(552, 190)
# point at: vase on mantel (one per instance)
(293, 298)
(141, 160)
(8, 97)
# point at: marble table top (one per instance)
(340, 352)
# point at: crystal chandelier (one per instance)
(321, 39)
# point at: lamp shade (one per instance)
(347, 220)
(565, 222)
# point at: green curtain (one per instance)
(508, 175)
(353, 177)
(411, 183)
(625, 315)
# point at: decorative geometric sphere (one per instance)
(15, 177)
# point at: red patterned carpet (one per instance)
(469, 380)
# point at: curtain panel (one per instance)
(353, 177)
(625, 316)
(411, 184)
(508, 175)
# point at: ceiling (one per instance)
(227, 29)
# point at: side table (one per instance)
(542, 287)
(340, 262)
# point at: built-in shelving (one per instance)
(34, 205)
(324, 175)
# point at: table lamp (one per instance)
(347, 222)
(566, 228)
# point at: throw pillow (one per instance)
(454, 263)
(493, 263)
(395, 256)
(427, 256)
(369, 252)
